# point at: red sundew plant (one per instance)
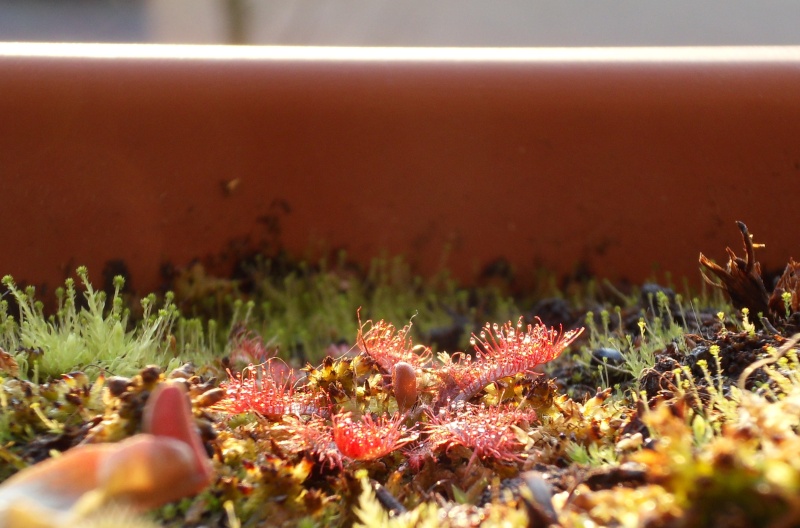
(486, 430)
(257, 390)
(369, 439)
(249, 348)
(388, 346)
(502, 351)
(315, 437)
(417, 453)
(330, 437)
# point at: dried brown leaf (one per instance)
(8, 364)
(741, 278)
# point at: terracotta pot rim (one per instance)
(643, 54)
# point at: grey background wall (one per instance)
(406, 23)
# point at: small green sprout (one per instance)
(787, 303)
(749, 327)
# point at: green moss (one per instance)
(93, 335)
(658, 328)
(304, 311)
(593, 455)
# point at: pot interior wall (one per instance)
(623, 163)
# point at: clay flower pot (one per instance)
(622, 161)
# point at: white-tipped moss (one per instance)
(86, 335)
(658, 328)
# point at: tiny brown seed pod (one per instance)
(210, 397)
(117, 385)
(150, 374)
(404, 383)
